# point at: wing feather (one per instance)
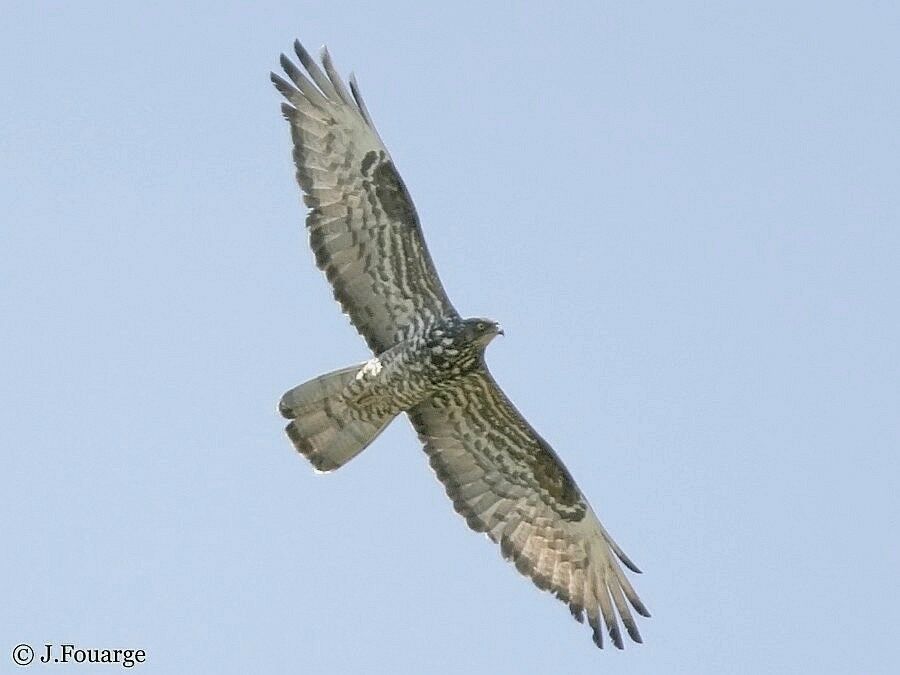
(507, 482)
(378, 264)
(308, 62)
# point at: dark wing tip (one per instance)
(626, 561)
(633, 632)
(283, 86)
(360, 103)
(577, 612)
(616, 635)
(596, 631)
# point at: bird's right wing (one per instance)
(363, 227)
(507, 482)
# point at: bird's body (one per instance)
(411, 371)
(421, 365)
(429, 363)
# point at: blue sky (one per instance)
(685, 217)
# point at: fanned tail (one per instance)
(323, 428)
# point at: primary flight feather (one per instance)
(428, 362)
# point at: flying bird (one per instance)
(429, 362)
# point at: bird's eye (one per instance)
(481, 325)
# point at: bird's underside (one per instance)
(502, 477)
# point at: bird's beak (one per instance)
(500, 330)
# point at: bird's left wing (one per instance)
(363, 227)
(507, 482)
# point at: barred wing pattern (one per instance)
(507, 482)
(363, 227)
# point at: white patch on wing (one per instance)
(371, 369)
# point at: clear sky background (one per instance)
(685, 217)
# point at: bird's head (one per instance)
(481, 331)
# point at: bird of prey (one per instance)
(429, 363)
